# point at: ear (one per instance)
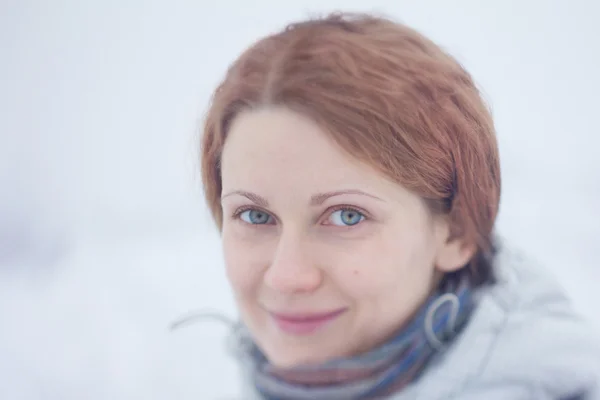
(454, 254)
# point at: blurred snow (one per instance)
(104, 237)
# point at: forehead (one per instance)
(275, 143)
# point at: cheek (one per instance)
(245, 261)
(384, 263)
(361, 268)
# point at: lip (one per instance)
(301, 324)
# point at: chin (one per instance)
(288, 346)
(285, 353)
(290, 357)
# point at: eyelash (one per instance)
(331, 210)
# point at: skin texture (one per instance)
(307, 228)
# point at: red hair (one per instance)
(388, 96)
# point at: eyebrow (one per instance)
(319, 198)
(315, 200)
(256, 199)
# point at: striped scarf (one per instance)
(380, 372)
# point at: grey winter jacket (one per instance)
(524, 342)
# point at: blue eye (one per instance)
(255, 217)
(346, 217)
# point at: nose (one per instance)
(291, 269)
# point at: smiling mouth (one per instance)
(301, 324)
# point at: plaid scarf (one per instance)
(382, 371)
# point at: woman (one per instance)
(352, 169)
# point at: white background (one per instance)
(104, 236)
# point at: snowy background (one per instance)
(104, 236)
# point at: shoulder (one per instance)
(524, 341)
(542, 342)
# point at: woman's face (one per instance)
(327, 258)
